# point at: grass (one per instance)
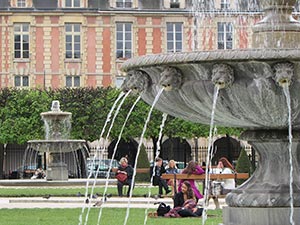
(109, 217)
(71, 216)
(138, 191)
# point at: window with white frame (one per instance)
(73, 40)
(174, 37)
(225, 34)
(72, 81)
(225, 4)
(124, 3)
(21, 40)
(21, 3)
(124, 40)
(72, 3)
(21, 81)
(174, 4)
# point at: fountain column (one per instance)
(265, 198)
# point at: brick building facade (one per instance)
(80, 43)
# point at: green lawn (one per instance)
(109, 217)
(138, 191)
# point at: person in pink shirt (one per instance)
(192, 168)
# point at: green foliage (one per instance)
(243, 165)
(142, 162)
(20, 119)
(20, 115)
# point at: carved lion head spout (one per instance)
(171, 78)
(222, 75)
(283, 73)
(136, 81)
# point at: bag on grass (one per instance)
(121, 177)
(163, 209)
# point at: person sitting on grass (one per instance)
(184, 203)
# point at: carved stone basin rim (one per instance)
(253, 98)
(211, 56)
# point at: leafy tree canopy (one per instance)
(20, 115)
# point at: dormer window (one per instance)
(124, 3)
(21, 3)
(72, 3)
(174, 4)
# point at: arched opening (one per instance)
(177, 149)
(126, 148)
(226, 147)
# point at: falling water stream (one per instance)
(288, 101)
(161, 128)
(106, 138)
(113, 156)
(94, 158)
(138, 152)
(208, 161)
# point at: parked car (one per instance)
(102, 166)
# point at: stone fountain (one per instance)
(251, 96)
(57, 126)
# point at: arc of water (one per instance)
(98, 147)
(106, 138)
(138, 152)
(288, 101)
(208, 161)
(161, 127)
(24, 159)
(113, 156)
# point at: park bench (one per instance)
(202, 177)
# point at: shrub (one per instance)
(142, 162)
(243, 165)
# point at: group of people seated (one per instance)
(187, 194)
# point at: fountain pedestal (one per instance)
(57, 169)
(265, 198)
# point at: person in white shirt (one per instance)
(224, 167)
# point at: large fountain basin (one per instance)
(254, 100)
(56, 146)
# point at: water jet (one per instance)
(251, 97)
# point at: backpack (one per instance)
(162, 209)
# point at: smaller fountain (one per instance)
(57, 128)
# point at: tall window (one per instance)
(174, 4)
(72, 3)
(225, 33)
(21, 40)
(124, 3)
(21, 81)
(174, 37)
(72, 81)
(224, 4)
(21, 3)
(73, 42)
(124, 40)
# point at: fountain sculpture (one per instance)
(251, 96)
(57, 125)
